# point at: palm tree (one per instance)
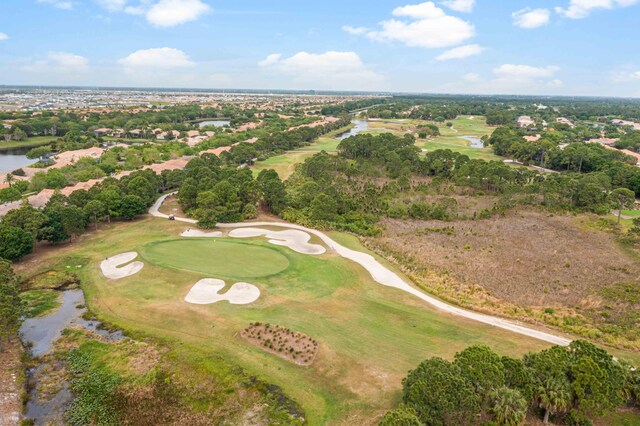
(508, 406)
(554, 395)
(9, 178)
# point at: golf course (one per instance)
(369, 335)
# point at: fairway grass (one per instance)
(369, 335)
(217, 258)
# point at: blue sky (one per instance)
(563, 47)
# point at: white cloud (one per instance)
(159, 58)
(625, 76)
(169, 13)
(531, 18)
(460, 5)
(112, 5)
(59, 62)
(3, 37)
(472, 77)
(60, 4)
(461, 52)
(579, 9)
(329, 70)
(355, 30)
(524, 71)
(426, 26)
(272, 59)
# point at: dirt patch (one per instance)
(529, 258)
(290, 345)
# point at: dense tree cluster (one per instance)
(567, 384)
(66, 217)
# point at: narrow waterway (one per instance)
(359, 126)
(39, 335)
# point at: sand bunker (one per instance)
(199, 233)
(111, 266)
(207, 291)
(296, 240)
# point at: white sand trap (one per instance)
(207, 291)
(199, 233)
(294, 239)
(111, 266)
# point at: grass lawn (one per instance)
(29, 143)
(458, 145)
(369, 335)
(218, 258)
(631, 213)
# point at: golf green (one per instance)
(217, 258)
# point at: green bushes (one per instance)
(570, 383)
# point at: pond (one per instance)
(474, 142)
(215, 123)
(39, 335)
(359, 126)
(14, 159)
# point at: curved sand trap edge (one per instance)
(207, 291)
(198, 233)
(111, 266)
(296, 240)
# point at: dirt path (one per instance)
(386, 277)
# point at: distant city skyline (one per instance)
(533, 47)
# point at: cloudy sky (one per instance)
(563, 47)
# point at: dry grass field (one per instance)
(526, 262)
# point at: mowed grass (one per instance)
(369, 335)
(216, 257)
(285, 164)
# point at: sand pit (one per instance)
(207, 291)
(194, 233)
(111, 266)
(296, 240)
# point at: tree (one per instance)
(554, 395)
(28, 218)
(482, 367)
(622, 198)
(14, 242)
(507, 406)
(96, 210)
(132, 206)
(401, 416)
(324, 208)
(273, 191)
(440, 394)
(9, 178)
(74, 220)
(10, 303)
(39, 152)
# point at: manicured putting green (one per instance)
(217, 258)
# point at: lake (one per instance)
(359, 126)
(14, 159)
(216, 123)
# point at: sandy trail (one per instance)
(385, 276)
(207, 291)
(296, 240)
(111, 266)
